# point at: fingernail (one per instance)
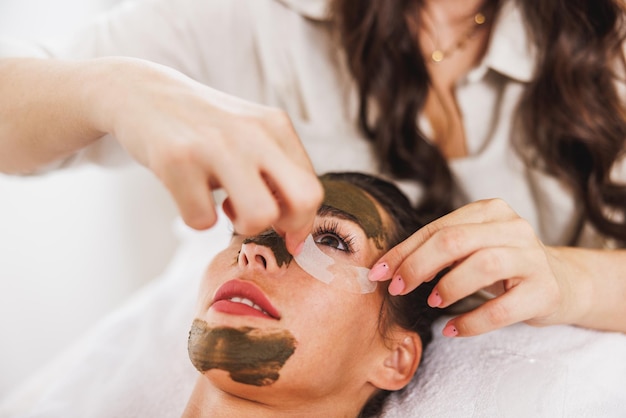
(396, 286)
(450, 331)
(298, 249)
(434, 300)
(379, 272)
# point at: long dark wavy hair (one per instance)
(571, 114)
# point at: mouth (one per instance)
(238, 297)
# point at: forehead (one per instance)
(354, 202)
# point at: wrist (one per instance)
(576, 284)
(101, 94)
(598, 284)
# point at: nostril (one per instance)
(242, 259)
(254, 256)
(261, 260)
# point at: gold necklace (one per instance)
(439, 54)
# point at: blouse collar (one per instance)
(511, 51)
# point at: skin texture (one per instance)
(206, 342)
(326, 372)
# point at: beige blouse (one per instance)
(281, 53)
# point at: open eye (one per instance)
(331, 240)
(329, 235)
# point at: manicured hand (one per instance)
(196, 139)
(487, 246)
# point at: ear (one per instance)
(399, 361)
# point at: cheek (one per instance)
(335, 341)
(339, 319)
(216, 270)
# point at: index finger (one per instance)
(292, 179)
(474, 213)
(299, 194)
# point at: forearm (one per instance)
(46, 109)
(598, 279)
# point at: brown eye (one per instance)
(330, 234)
(331, 240)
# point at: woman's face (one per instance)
(266, 327)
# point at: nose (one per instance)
(257, 257)
(266, 251)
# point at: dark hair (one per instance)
(574, 115)
(410, 311)
(571, 114)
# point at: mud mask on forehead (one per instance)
(355, 203)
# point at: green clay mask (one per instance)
(251, 356)
(355, 202)
(275, 243)
(356, 205)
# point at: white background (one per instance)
(73, 244)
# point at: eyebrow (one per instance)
(326, 210)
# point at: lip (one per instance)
(243, 289)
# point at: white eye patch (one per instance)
(328, 270)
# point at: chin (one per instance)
(271, 393)
(238, 356)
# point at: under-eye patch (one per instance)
(332, 272)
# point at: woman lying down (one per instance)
(311, 336)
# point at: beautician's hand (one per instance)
(488, 246)
(196, 139)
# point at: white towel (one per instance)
(519, 371)
(135, 364)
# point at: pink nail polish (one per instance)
(434, 300)
(396, 286)
(379, 272)
(450, 331)
(299, 248)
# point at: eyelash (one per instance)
(332, 228)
